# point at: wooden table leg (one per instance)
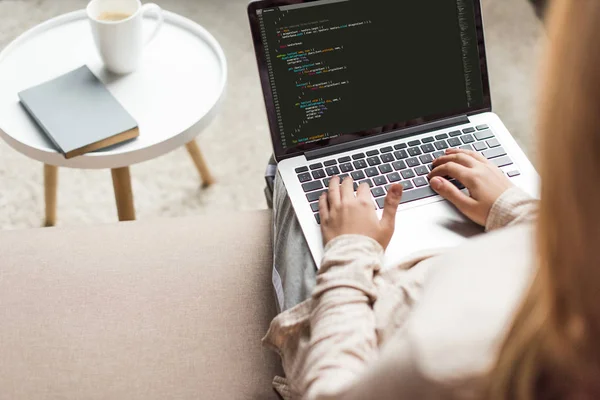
(196, 154)
(50, 189)
(123, 194)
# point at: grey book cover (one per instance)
(78, 113)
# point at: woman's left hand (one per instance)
(342, 213)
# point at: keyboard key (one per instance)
(414, 151)
(385, 168)
(455, 133)
(430, 167)
(347, 167)
(342, 177)
(357, 175)
(468, 130)
(412, 162)
(493, 153)
(454, 142)
(377, 192)
(481, 135)
(318, 174)
(373, 161)
(387, 149)
(399, 165)
(500, 161)
(380, 180)
(344, 159)
(493, 143)
(408, 174)
(479, 146)
(420, 181)
(438, 154)
(514, 173)
(427, 148)
(418, 194)
(332, 171)
(411, 195)
(310, 186)
(387, 158)
(441, 136)
(318, 218)
(313, 196)
(305, 177)
(316, 166)
(371, 172)
(400, 154)
(329, 163)
(367, 181)
(400, 146)
(421, 170)
(413, 143)
(458, 184)
(360, 164)
(466, 147)
(481, 127)
(358, 156)
(426, 158)
(301, 169)
(427, 140)
(467, 139)
(393, 177)
(372, 153)
(407, 185)
(441, 145)
(315, 207)
(326, 182)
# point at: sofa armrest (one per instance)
(138, 310)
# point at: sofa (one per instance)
(156, 309)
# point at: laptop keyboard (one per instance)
(405, 163)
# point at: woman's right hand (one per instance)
(484, 180)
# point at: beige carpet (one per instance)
(237, 144)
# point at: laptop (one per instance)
(376, 90)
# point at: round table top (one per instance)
(173, 95)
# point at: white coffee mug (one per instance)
(121, 42)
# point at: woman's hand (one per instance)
(485, 182)
(342, 213)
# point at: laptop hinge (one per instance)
(386, 137)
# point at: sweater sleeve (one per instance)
(514, 206)
(342, 323)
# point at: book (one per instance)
(78, 113)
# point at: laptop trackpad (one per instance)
(429, 226)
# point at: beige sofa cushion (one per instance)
(144, 310)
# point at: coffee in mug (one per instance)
(113, 16)
(117, 27)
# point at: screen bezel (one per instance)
(281, 153)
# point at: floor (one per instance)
(237, 144)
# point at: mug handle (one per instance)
(160, 19)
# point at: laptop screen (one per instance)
(338, 70)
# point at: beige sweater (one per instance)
(430, 327)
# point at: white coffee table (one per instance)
(173, 96)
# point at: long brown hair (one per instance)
(552, 350)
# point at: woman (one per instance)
(498, 317)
